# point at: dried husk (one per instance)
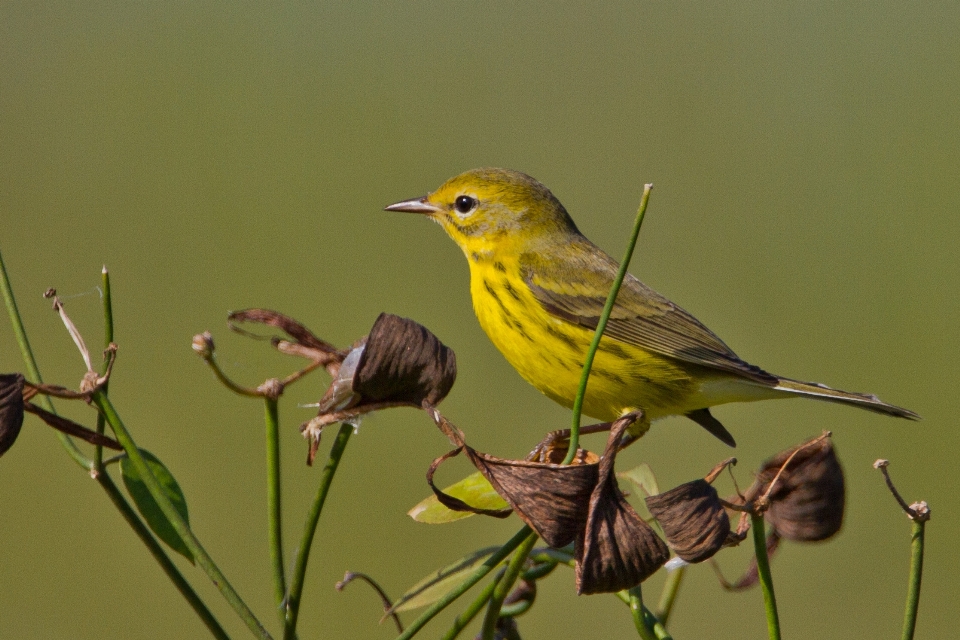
(11, 409)
(693, 519)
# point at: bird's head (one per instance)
(492, 210)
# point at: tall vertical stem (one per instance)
(272, 421)
(916, 575)
(766, 579)
(602, 324)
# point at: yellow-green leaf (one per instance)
(475, 490)
(642, 478)
(149, 508)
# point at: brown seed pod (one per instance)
(11, 409)
(692, 518)
(808, 498)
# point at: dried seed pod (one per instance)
(618, 549)
(551, 498)
(615, 548)
(400, 361)
(693, 519)
(403, 361)
(11, 409)
(807, 499)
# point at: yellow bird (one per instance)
(539, 286)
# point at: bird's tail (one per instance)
(863, 400)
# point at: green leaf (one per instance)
(149, 508)
(440, 583)
(475, 490)
(642, 478)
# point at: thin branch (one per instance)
(350, 576)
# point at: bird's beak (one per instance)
(417, 205)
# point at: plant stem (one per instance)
(475, 576)
(173, 516)
(470, 613)
(161, 557)
(271, 418)
(504, 585)
(766, 580)
(669, 594)
(33, 372)
(292, 610)
(659, 630)
(602, 324)
(637, 610)
(107, 339)
(916, 575)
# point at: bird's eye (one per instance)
(464, 204)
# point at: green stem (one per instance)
(33, 372)
(292, 610)
(669, 594)
(602, 324)
(504, 585)
(475, 576)
(107, 339)
(766, 580)
(271, 418)
(659, 631)
(173, 516)
(471, 612)
(916, 574)
(161, 557)
(637, 611)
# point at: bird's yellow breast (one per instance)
(549, 352)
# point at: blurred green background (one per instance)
(221, 156)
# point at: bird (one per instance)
(539, 286)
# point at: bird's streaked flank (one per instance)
(539, 286)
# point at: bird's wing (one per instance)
(575, 287)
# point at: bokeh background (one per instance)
(217, 157)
